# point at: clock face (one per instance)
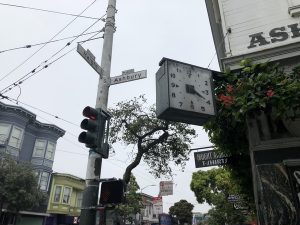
(190, 88)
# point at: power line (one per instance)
(33, 107)
(33, 45)
(217, 47)
(21, 64)
(50, 11)
(36, 70)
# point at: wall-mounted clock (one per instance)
(184, 92)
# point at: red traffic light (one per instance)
(90, 113)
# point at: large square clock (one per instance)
(184, 92)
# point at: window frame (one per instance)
(60, 194)
(40, 180)
(63, 195)
(34, 154)
(52, 152)
(79, 199)
(7, 135)
(19, 138)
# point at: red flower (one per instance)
(270, 93)
(229, 88)
(227, 100)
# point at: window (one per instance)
(4, 132)
(39, 148)
(16, 137)
(79, 199)
(44, 181)
(57, 194)
(50, 151)
(67, 195)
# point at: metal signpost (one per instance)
(93, 173)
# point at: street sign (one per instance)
(90, 58)
(233, 198)
(166, 188)
(126, 77)
(210, 158)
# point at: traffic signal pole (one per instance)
(90, 194)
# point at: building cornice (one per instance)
(270, 55)
(31, 118)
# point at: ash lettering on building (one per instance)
(277, 34)
(210, 158)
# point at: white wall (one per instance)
(248, 17)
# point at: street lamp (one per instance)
(150, 185)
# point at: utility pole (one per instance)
(90, 194)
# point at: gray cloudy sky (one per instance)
(147, 30)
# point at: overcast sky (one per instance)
(147, 31)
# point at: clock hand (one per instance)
(191, 90)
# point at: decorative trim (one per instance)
(274, 54)
(17, 110)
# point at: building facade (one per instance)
(264, 31)
(149, 216)
(28, 140)
(267, 30)
(65, 199)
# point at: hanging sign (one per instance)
(166, 188)
(210, 158)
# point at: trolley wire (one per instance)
(49, 11)
(60, 31)
(40, 67)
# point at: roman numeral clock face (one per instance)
(190, 88)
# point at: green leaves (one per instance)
(183, 211)
(133, 202)
(18, 185)
(255, 89)
(214, 186)
(159, 143)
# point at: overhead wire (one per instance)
(136, 171)
(49, 11)
(36, 108)
(60, 31)
(48, 42)
(217, 47)
(37, 70)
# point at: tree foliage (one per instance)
(18, 186)
(159, 143)
(214, 186)
(133, 203)
(183, 211)
(254, 89)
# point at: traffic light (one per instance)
(97, 128)
(112, 192)
(91, 137)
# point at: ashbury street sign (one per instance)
(90, 58)
(128, 75)
(210, 158)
